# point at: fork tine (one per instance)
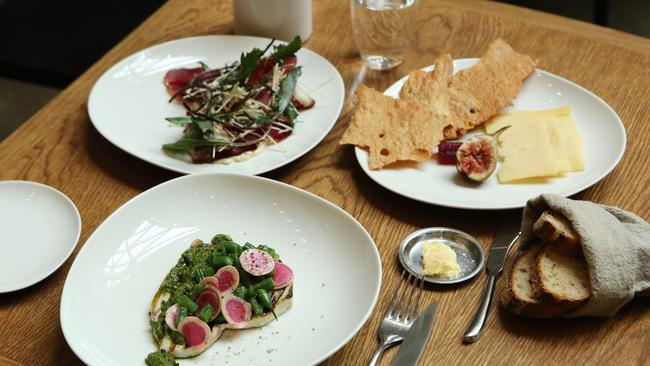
(403, 297)
(413, 312)
(408, 308)
(391, 305)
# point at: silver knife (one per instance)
(416, 338)
(501, 244)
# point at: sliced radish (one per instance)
(236, 311)
(170, 316)
(211, 283)
(283, 276)
(301, 100)
(227, 279)
(195, 331)
(211, 297)
(256, 262)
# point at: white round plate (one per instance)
(601, 130)
(40, 227)
(129, 103)
(106, 297)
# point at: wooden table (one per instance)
(58, 146)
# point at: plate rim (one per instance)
(68, 250)
(92, 99)
(358, 151)
(80, 351)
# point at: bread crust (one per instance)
(556, 229)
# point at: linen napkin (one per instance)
(616, 246)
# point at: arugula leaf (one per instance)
(286, 88)
(280, 52)
(261, 119)
(179, 120)
(248, 62)
(203, 125)
(292, 113)
(186, 144)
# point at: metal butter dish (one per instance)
(469, 253)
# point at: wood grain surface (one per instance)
(58, 146)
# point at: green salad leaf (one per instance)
(248, 62)
(280, 52)
(286, 88)
(186, 144)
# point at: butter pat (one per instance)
(439, 260)
(537, 144)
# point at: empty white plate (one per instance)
(106, 297)
(601, 130)
(40, 227)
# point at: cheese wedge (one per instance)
(537, 144)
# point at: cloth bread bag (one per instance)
(616, 246)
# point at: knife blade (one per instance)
(501, 244)
(503, 240)
(416, 338)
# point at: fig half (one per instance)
(476, 158)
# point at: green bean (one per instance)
(255, 306)
(182, 314)
(221, 261)
(264, 299)
(206, 313)
(220, 238)
(240, 291)
(219, 251)
(234, 257)
(267, 284)
(200, 272)
(185, 301)
(196, 291)
(231, 247)
(177, 337)
(157, 329)
(249, 246)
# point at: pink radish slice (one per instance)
(211, 282)
(283, 276)
(256, 262)
(195, 331)
(236, 311)
(211, 297)
(227, 279)
(301, 100)
(170, 316)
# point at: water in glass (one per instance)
(383, 30)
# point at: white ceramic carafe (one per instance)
(281, 19)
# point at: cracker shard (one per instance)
(392, 129)
(473, 95)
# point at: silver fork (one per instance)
(400, 315)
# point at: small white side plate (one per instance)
(40, 227)
(601, 130)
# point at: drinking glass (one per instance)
(383, 30)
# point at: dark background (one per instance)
(44, 45)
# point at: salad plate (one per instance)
(129, 103)
(26, 205)
(336, 265)
(600, 128)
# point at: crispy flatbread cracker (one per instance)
(392, 129)
(475, 94)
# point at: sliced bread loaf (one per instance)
(519, 296)
(560, 278)
(555, 228)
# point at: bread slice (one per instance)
(561, 278)
(553, 227)
(519, 296)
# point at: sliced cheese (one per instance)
(537, 144)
